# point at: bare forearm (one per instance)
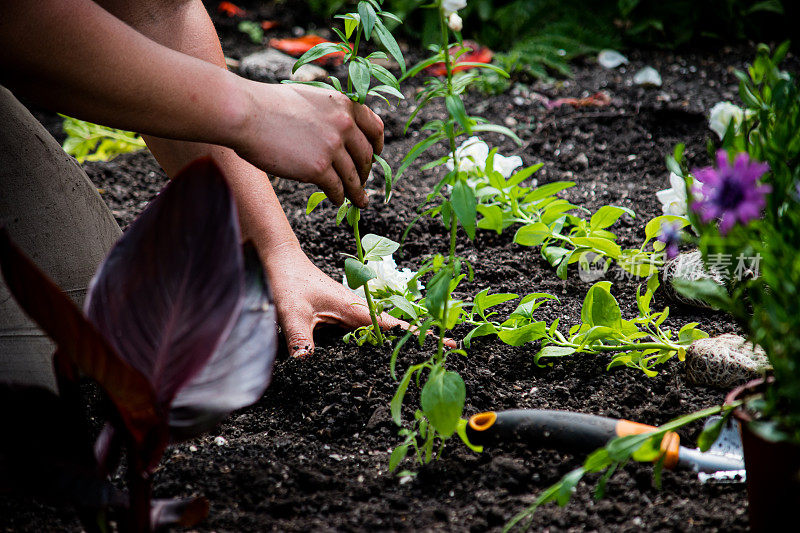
(76, 57)
(186, 27)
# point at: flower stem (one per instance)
(370, 305)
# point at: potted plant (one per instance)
(746, 212)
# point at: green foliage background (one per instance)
(541, 36)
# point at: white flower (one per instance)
(451, 6)
(506, 165)
(388, 277)
(454, 22)
(722, 114)
(673, 200)
(472, 155)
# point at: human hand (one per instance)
(311, 135)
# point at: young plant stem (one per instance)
(360, 251)
(453, 219)
(140, 490)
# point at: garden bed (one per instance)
(313, 453)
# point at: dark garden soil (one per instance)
(313, 453)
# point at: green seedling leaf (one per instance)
(553, 351)
(368, 17)
(404, 305)
(711, 433)
(532, 234)
(465, 206)
(437, 291)
(494, 128)
(384, 76)
(455, 106)
(549, 189)
(442, 400)
(529, 333)
(360, 76)
(314, 200)
(484, 300)
(492, 218)
(600, 308)
(357, 273)
(653, 227)
(375, 247)
(388, 41)
(342, 212)
(387, 175)
(396, 405)
(607, 215)
(320, 50)
(461, 429)
(398, 454)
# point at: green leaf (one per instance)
(438, 287)
(314, 200)
(384, 76)
(532, 234)
(442, 400)
(387, 176)
(599, 244)
(520, 336)
(396, 405)
(465, 206)
(320, 50)
(417, 150)
(342, 212)
(397, 456)
(357, 273)
(710, 434)
(553, 351)
(404, 305)
(455, 106)
(494, 128)
(600, 308)
(368, 17)
(461, 429)
(653, 227)
(484, 300)
(492, 218)
(389, 42)
(375, 247)
(360, 76)
(549, 189)
(607, 215)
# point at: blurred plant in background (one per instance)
(541, 37)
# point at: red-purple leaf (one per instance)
(78, 341)
(171, 288)
(240, 369)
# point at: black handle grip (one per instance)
(542, 428)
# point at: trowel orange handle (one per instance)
(560, 430)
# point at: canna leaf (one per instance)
(171, 288)
(79, 341)
(240, 369)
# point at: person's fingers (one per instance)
(332, 186)
(299, 334)
(350, 180)
(360, 152)
(371, 124)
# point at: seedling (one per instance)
(367, 23)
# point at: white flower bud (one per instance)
(454, 22)
(722, 114)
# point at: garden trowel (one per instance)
(578, 432)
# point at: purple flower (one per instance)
(731, 193)
(670, 235)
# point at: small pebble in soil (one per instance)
(220, 441)
(192, 448)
